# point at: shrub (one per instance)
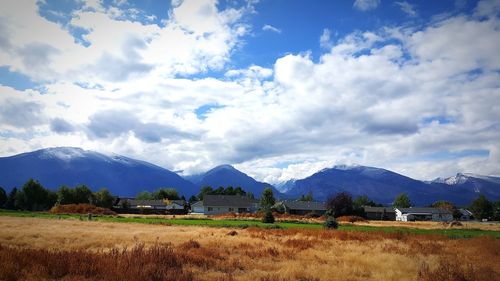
(268, 217)
(350, 219)
(331, 223)
(80, 209)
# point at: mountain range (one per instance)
(124, 176)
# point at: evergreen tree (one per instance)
(482, 208)
(3, 197)
(402, 201)
(11, 203)
(144, 195)
(103, 198)
(267, 199)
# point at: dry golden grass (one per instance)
(251, 254)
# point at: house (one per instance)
(296, 207)
(379, 213)
(221, 204)
(465, 215)
(151, 206)
(423, 214)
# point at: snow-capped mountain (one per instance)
(383, 185)
(285, 186)
(487, 185)
(71, 166)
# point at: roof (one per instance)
(134, 202)
(228, 201)
(304, 205)
(197, 204)
(423, 211)
(370, 209)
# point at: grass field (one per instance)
(240, 223)
(37, 248)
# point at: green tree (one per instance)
(83, 194)
(144, 195)
(166, 193)
(205, 190)
(34, 197)
(103, 198)
(267, 199)
(11, 203)
(307, 197)
(250, 195)
(3, 197)
(219, 191)
(363, 200)
(340, 204)
(239, 191)
(268, 216)
(402, 201)
(496, 211)
(65, 195)
(482, 208)
(192, 199)
(229, 191)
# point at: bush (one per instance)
(350, 219)
(331, 223)
(80, 209)
(268, 217)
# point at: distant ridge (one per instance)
(226, 175)
(71, 166)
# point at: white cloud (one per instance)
(324, 39)
(268, 27)
(366, 5)
(374, 98)
(407, 8)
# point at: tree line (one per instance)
(32, 196)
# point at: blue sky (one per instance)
(280, 89)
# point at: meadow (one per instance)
(48, 248)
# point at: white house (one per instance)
(221, 204)
(423, 214)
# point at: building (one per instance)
(295, 207)
(379, 213)
(423, 214)
(221, 204)
(465, 215)
(151, 206)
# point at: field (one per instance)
(41, 248)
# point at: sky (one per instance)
(279, 89)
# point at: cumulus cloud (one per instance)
(366, 5)
(388, 97)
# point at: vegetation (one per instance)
(331, 223)
(34, 197)
(402, 201)
(80, 209)
(268, 216)
(363, 200)
(482, 208)
(208, 190)
(267, 199)
(340, 204)
(307, 197)
(3, 197)
(95, 250)
(159, 194)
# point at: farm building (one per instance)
(379, 213)
(423, 214)
(220, 204)
(151, 206)
(295, 207)
(465, 215)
